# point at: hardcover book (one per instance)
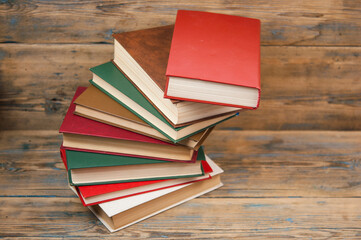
(139, 207)
(142, 56)
(214, 58)
(134, 173)
(85, 168)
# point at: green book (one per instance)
(88, 168)
(79, 159)
(111, 81)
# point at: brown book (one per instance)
(95, 99)
(142, 56)
(157, 205)
(96, 105)
(150, 49)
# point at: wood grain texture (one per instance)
(38, 81)
(202, 218)
(303, 88)
(335, 22)
(277, 184)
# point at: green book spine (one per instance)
(79, 159)
(132, 180)
(111, 74)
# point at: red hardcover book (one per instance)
(94, 190)
(85, 201)
(214, 58)
(88, 135)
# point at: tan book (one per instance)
(157, 205)
(143, 206)
(98, 106)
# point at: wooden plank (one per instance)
(198, 219)
(281, 184)
(271, 164)
(287, 163)
(303, 88)
(335, 22)
(38, 81)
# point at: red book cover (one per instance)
(157, 189)
(93, 190)
(63, 157)
(217, 48)
(79, 125)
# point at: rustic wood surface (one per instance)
(280, 184)
(309, 22)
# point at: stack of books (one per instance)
(132, 139)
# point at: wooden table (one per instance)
(292, 168)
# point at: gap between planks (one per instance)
(111, 43)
